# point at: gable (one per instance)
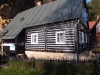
(58, 10)
(91, 24)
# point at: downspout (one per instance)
(16, 45)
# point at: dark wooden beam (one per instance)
(77, 40)
(45, 30)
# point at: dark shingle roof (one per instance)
(58, 10)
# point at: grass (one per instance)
(38, 67)
(11, 71)
(20, 65)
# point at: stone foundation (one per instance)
(50, 55)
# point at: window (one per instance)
(34, 38)
(60, 37)
(82, 37)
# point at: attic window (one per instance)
(22, 19)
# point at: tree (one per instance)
(46, 1)
(93, 9)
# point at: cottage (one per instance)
(95, 32)
(58, 26)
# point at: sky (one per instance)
(88, 0)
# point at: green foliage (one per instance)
(40, 67)
(11, 71)
(46, 1)
(20, 64)
(93, 9)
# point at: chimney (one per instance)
(38, 3)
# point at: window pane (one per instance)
(83, 37)
(34, 38)
(61, 37)
(58, 37)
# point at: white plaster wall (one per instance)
(98, 27)
(49, 55)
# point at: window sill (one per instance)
(60, 43)
(34, 43)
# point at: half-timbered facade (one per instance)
(56, 26)
(58, 36)
(61, 36)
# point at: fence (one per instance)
(82, 61)
(5, 59)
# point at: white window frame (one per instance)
(33, 35)
(11, 45)
(80, 37)
(60, 41)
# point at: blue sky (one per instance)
(88, 0)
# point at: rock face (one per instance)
(9, 8)
(4, 22)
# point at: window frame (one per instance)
(60, 42)
(33, 42)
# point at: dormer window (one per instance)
(22, 19)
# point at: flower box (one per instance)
(59, 51)
(35, 50)
(95, 51)
(40, 50)
(51, 51)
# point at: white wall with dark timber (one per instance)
(48, 38)
(41, 40)
(98, 27)
(69, 39)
